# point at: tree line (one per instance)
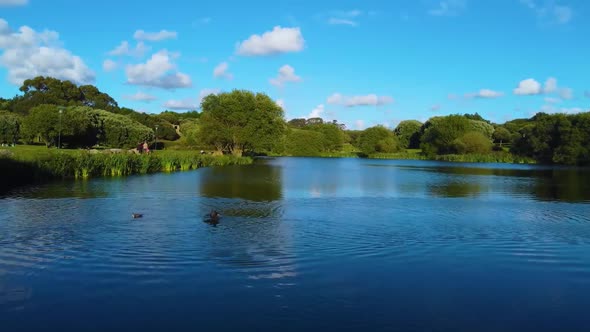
(240, 121)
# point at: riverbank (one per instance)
(29, 164)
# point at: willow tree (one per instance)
(241, 121)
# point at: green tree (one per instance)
(332, 136)
(9, 127)
(472, 142)
(408, 133)
(303, 143)
(439, 133)
(501, 135)
(378, 139)
(42, 121)
(241, 121)
(297, 123)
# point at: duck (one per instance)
(212, 217)
(136, 215)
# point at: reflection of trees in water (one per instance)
(251, 237)
(61, 189)
(456, 189)
(258, 182)
(548, 183)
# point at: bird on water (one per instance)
(136, 215)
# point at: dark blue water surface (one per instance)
(304, 244)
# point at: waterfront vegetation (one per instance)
(87, 124)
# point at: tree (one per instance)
(332, 135)
(440, 133)
(297, 123)
(300, 142)
(472, 142)
(408, 133)
(9, 127)
(42, 121)
(501, 135)
(313, 121)
(241, 121)
(378, 139)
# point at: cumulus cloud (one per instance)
(532, 87)
(158, 71)
(28, 53)
(124, 49)
(8, 3)
(286, 74)
(109, 65)
(448, 8)
(190, 103)
(317, 112)
(141, 96)
(549, 11)
(484, 94)
(154, 36)
(352, 101)
(528, 87)
(279, 40)
(221, 71)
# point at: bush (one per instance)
(472, 142)
(300, 142)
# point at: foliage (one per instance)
(439, 133)
(482, 127)
(501, 135)
(472, 142)
(9, 127)
(556, 138)
(408, 133)
(166, 130)
(241, 121)
(300, 142)
(378, 139)
(332, 136)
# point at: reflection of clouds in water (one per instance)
(315, 192)
(274, 275)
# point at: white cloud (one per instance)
(124, 49)
(552, 100)
(359, 124)
(587, 93)
(221, 71)
(27, 54)
(448, 8)
(528, 87)
(549, 11)
(159, 72)
(109, 65)
(190, 103)
(286, 74)
(317, 112)
(573, 110)
(279, 40)
(341, 21)
(141, 96)
(550, 85)
(352, 101)
(154, 36)
(8, 3)
(344, 17)
(205, 20)
(435, 107)
(566, 93)
(280, 103)
(484, 94)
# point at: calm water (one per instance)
(304, 244)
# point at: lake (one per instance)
(303, 244)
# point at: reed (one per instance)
(84, 164)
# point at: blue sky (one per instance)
(360, 62)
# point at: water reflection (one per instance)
(258, 182)
(540, 183)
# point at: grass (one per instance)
(28, 163)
